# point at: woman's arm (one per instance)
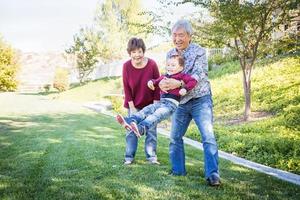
(127, 91)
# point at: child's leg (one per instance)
(164, 111)
(159, 115)
(142, 114)
(124, 121)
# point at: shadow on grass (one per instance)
(79, 156)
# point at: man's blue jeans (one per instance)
(200, 110)
(150, 144)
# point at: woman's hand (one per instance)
(169, 84)
(132, 110)
(150, 85)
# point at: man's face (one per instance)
(173, 66)
(181, 38)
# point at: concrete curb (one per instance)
(287, 176)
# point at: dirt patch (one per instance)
(254, 116)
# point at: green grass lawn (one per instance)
(59, 150)
(92, 91)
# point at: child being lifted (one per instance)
(152, 114)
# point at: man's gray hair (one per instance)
(185, 24)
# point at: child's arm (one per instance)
(189, 82)
(156, 81)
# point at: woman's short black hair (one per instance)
(135, 43)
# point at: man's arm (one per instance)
(200, 68)
(169, 84)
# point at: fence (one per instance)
(214, 51)
(115, 68)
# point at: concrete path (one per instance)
(287, 176)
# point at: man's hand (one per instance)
(182, 91)
(169, 84)
(150, 85)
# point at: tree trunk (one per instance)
(247, 89)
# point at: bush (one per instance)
(117, 104)
(288, 44)
(61, 79)
(292, 117)
(219, 59)
(8, 68)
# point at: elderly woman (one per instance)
(136, 73)
(196, 104)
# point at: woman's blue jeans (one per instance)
(150, 144)
(200, 110)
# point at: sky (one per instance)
(49, 25)
(43, 25)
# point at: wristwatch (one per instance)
(181, 84)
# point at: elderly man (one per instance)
(196, 104)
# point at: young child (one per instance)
(154, 113)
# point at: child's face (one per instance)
(173, 66)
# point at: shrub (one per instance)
(61, 79)
(292, 117)
(8, 68)
(117, 104)
(219, 59)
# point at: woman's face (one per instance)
(137, 56)
(181, 38)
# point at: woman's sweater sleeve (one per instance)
(127, 90)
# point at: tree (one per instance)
(107, 38)
(243, 25)
(8, 67)
(114, 20)
(86, 49)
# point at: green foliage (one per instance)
(227, 68)
(61, 79)
(8, 67)
(263, 142)
(287, 44)
(273, 141)
(292, 116)
(243, 26)
(114, 20)
(219, 59)
(278, 85)
(118, 104)
(87, 48)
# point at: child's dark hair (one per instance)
(179, 59)
(135, 43)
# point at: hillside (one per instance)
(272, 137)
